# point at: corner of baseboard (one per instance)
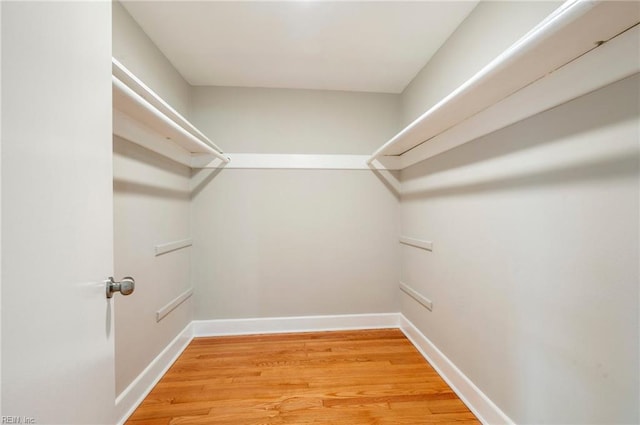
(132, 396)
(478, 402)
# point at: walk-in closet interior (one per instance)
(466, 172)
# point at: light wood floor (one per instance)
(354, 377)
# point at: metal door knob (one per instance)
(126, 286)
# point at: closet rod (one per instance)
(568, 13)
(143, 103)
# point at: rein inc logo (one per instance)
(17, 420)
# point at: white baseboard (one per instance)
(481, 406)
(134, 394)
(295, 324)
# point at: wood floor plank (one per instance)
(343, 377)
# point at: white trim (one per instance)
(173, 246)
(127, 401)
(481, 406)
(162, 313)
(296, 161)
(417, 243)
(416, 296)
(294, 324)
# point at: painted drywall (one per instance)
(151, 207)
(135, 50)
(271, 243)
(260, 120)
(534, 275)
(488, 30)
(57, 335)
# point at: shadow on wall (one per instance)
(126, 186)
(585, 115)
(136, 155)
(142, 157)
(200, 178)
(608, 168)
(390, 179)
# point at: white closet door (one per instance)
(57, 225)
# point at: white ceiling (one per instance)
(332, 45)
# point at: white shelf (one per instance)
(142, 117)
(560, 59)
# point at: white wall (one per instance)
(534, 274)
(271, 243)
(488, 30)
(260, 120)
(151, 207)
(135, 50)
